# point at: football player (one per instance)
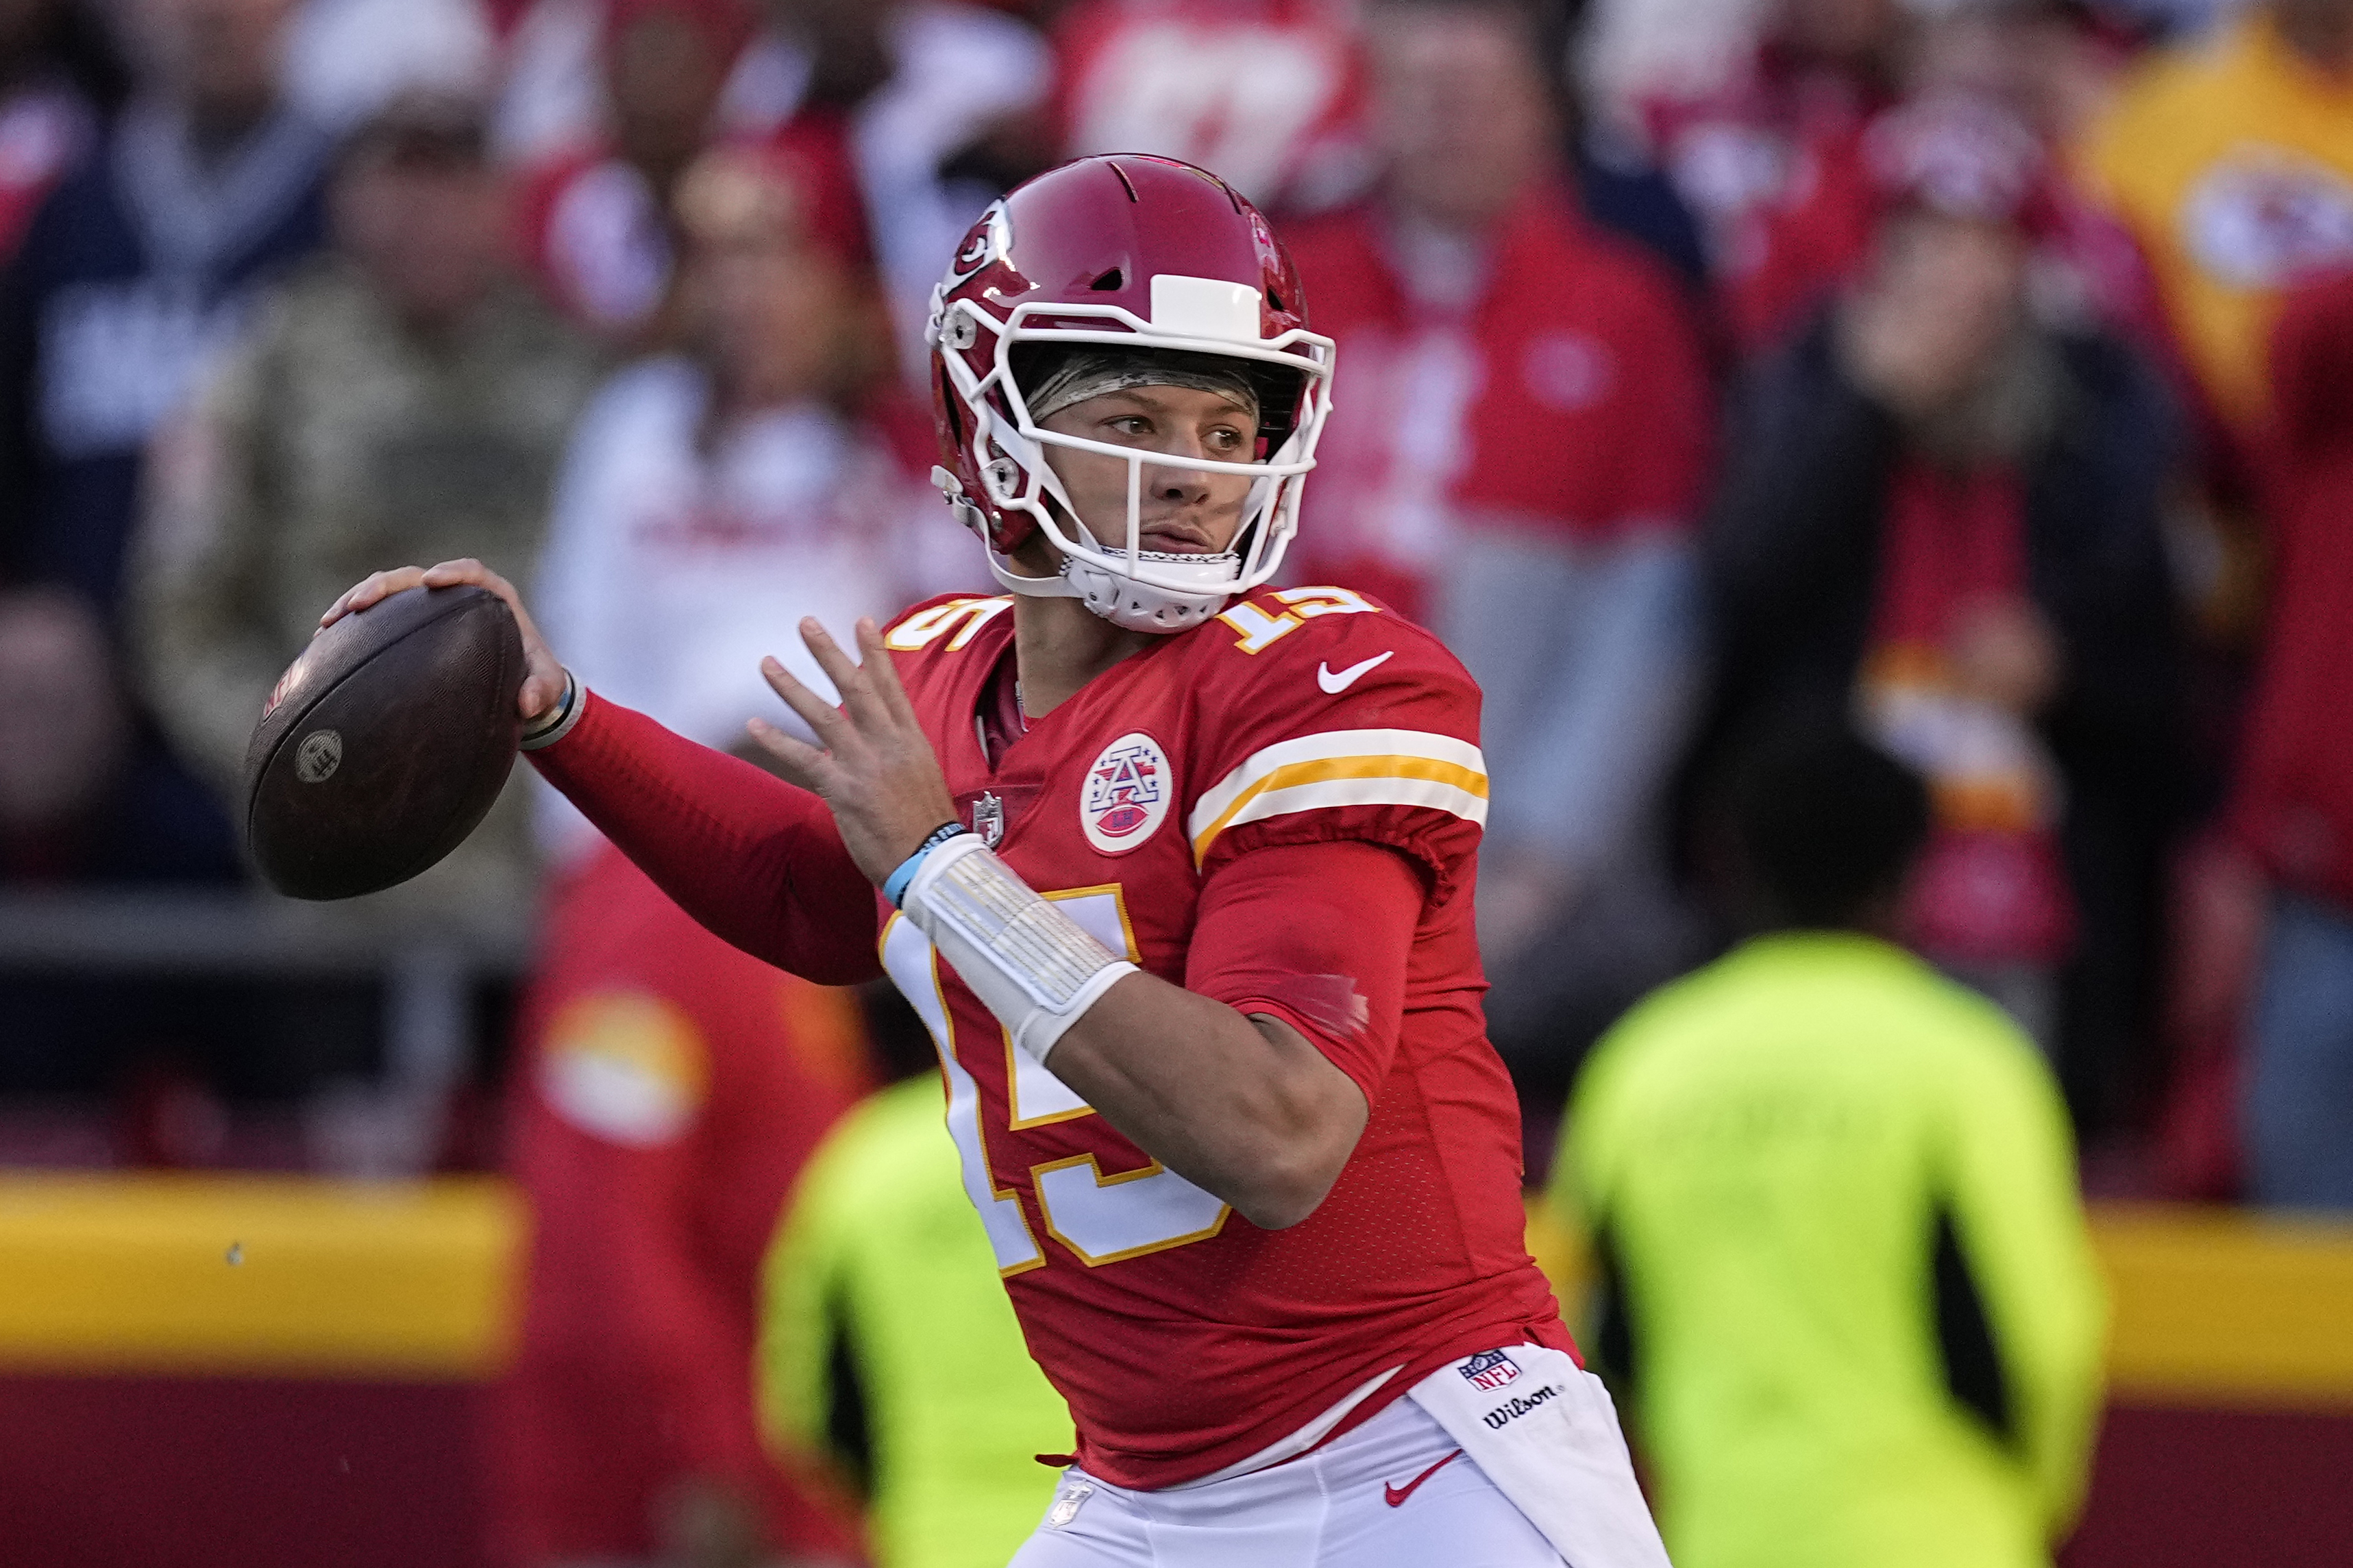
(1177, 869)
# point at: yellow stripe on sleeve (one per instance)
(1341, 768)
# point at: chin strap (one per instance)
(1057, 587)
(1108, 592)
(1146, 607)
(1121, 600)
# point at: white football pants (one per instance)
(1332, 1508)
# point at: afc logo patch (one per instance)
(1127, 795)
(1490, 1370)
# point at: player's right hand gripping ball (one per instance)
(385, 744)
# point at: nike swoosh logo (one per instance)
(1336, 684)
(1396, 1495)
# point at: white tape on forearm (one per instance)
(1032, 965)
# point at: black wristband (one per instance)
(894, 886)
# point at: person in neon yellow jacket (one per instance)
(1847, 1292)
(888, 1348)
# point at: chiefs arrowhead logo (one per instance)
(986, 241)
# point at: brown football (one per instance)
(385, 743)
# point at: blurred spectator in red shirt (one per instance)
(2295, 801)
(1519, 464)
(713, 496)
(953, 118)
(1944, 514)
(1271, 94)
(1783, 160)
(1266, 92)
(2051, 67)
(1770, 157)
(596, 215)
(57, 74)
(667, 1093)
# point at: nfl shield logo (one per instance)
(1126, 793)
(1490, 1370)
(988, 818)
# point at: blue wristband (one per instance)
(894, 886)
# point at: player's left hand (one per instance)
(876, 768)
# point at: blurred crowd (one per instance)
(1972, 370)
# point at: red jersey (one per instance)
(1184, 1338)
(1241, 809)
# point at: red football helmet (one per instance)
(1124, 250)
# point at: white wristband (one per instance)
(1028, 963)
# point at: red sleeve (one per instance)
(1317, 935)
(755, 860)
(1388, 757)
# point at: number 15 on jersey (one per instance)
(1100, 1219)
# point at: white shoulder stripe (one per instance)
(1359, 792)
(1345, 767)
